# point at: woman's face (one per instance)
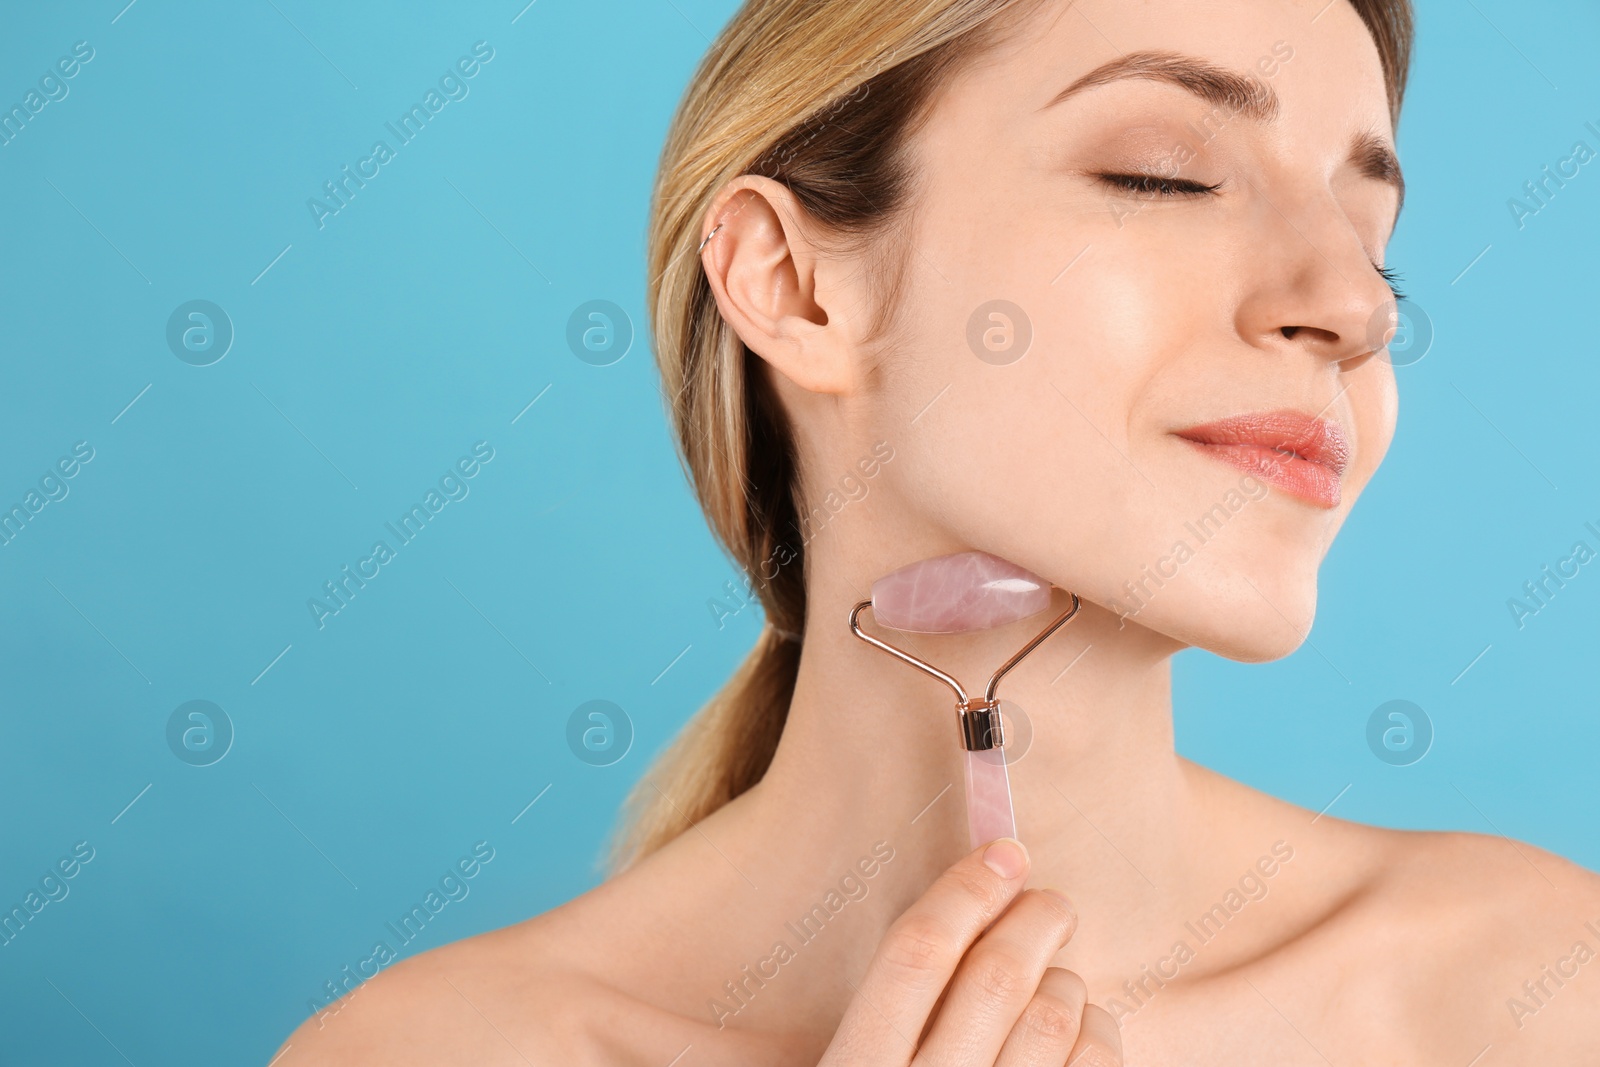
(1237, 278)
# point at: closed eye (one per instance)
(1391, 276)
(1153, 185)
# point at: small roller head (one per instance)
(957, 593)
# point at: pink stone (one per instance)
(957, 593)
(989, 812)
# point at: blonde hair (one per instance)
(822, 96)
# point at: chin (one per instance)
(1265, 618)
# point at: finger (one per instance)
(998, 978)
(921, 949)
(1099, 1042)
(1049, 1025)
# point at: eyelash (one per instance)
(1154, 185)
(1391, 276)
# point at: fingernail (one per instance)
(1006, 857)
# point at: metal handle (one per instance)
(980, 719)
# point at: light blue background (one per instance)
(423, 318)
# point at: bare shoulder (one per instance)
(525, 994)
(574, 986)
(1479, 941)
(499, 997)
(1440, 944)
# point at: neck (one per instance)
(871, 752)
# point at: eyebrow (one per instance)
(1251, 97)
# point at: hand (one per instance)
(946, 988)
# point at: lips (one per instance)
(1300, 454)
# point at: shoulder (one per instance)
(1469, 938)
(466, 1002)
(535, 992)
(571, 986)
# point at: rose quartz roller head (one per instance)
(958, 594)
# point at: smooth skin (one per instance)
(1213, 923)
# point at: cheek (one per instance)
(1036, 460)
(1375, 408)
(1061, 459)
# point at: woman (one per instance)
(981, 274)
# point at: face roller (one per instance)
(958, 594)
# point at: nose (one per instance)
(1311, 284)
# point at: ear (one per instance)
(772, 285)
